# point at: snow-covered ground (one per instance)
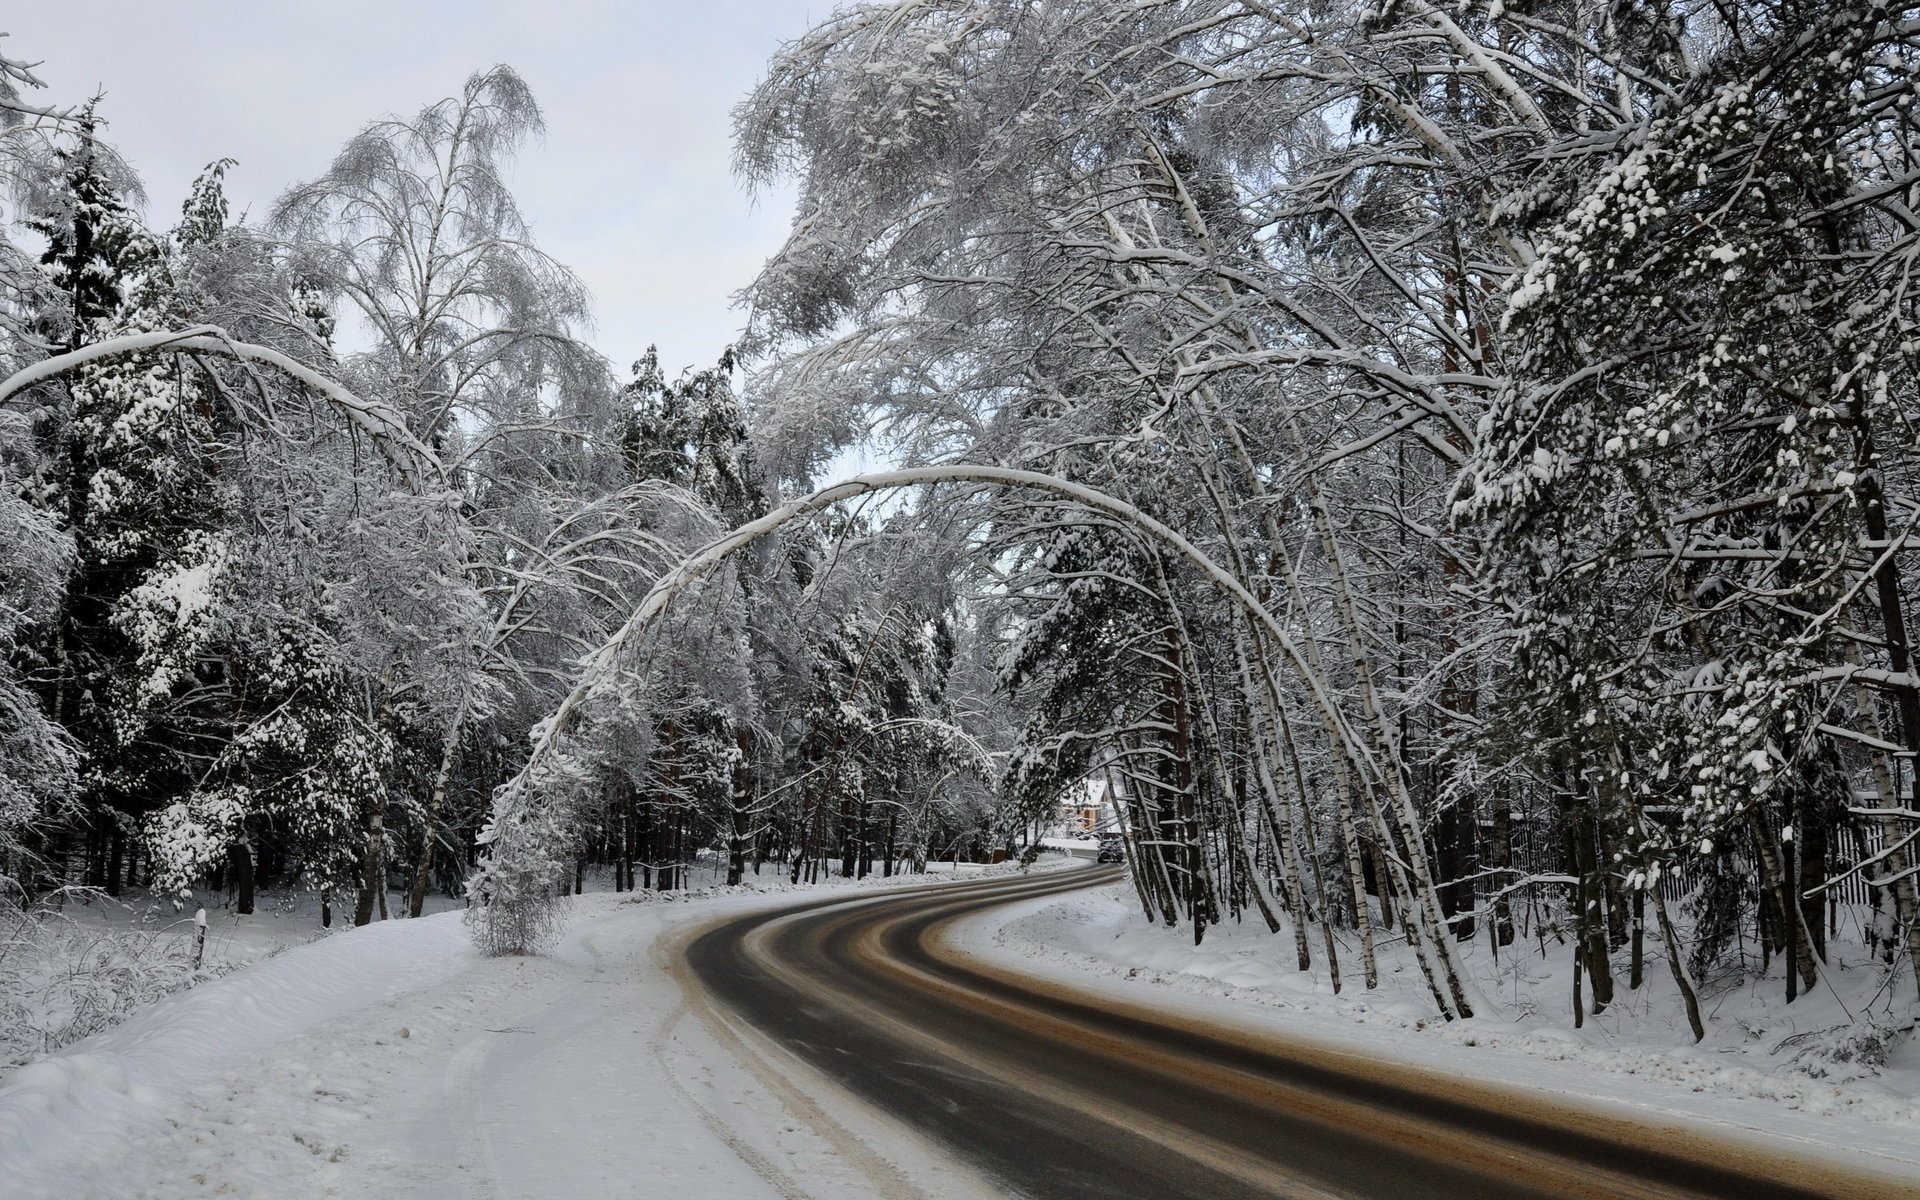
(393, 1061)
(87, 963)
(1639, 1055)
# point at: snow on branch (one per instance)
(388, 429)
(522, 832)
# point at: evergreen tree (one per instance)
(101, 263)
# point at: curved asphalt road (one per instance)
(1056, 1094)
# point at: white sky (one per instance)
(631, 187)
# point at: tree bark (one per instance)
(1500, 860)
(740, 814)
(373, 869)
(1801, 971)
(240, 853)
(1893, 624)
(1688, 996)
(429, 827)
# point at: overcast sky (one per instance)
(631, 186)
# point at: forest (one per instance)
(1446, 466)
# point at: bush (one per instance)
(524, 918)
(60, 981)
(1842, 1053)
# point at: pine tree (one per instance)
(101, 262)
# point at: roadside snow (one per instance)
(1639, 1055)
(394, 1061)
(85, 964)
(145, 1087)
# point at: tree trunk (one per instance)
(1356, 876)
(240, 853)
(1425, 906)
(1636, 974)
(1127, 850)
(116, 847)
(1801, 971)
(739, 824)
(373, 880)
(1893, 623)
(1900, 895)
(1589, 895)
(1681, 979)
(1269, 729)
(1811, 843)
(1579, 956)
(429, 827)
(1500, 861)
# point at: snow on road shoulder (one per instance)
(1095, 940)
(394, 1061)
(118, 1090)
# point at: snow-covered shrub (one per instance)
(61, 981)
(515, 901)
(525, 923)
(1841, 1053)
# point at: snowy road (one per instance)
(1056, 1093)
(691, 1048)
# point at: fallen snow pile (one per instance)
(1854, 1053)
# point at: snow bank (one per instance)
(107, 1091)
(75, 968)
(1795, 1072)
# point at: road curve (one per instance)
(1056, 1094)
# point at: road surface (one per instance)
(1056, 1094)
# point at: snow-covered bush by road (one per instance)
(62, 980)
(73, 970)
